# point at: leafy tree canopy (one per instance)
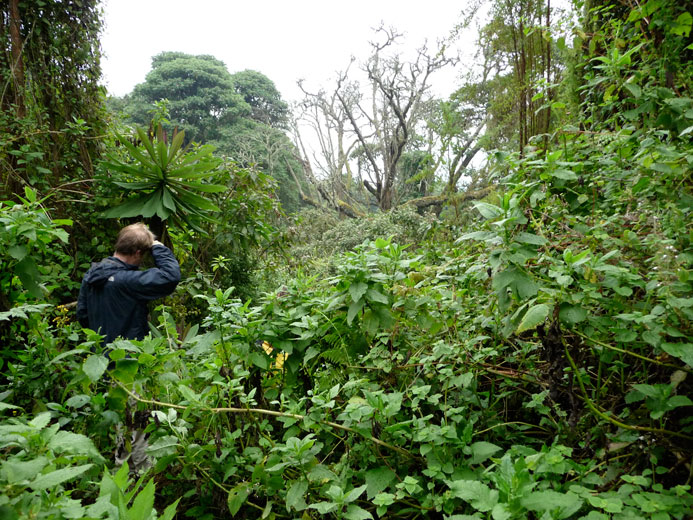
(200, 91)
(262, 95)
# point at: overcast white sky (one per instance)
(284, 39)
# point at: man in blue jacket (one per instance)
(114, 294)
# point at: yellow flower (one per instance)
(279, 360)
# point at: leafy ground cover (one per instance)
(538, 365)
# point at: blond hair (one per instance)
(133, 238)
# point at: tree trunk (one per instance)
(17, 65)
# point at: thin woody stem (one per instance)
(273, 413)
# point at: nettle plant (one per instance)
(48, 471)
(419, 420)
(26, 233)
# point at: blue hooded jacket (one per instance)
(114, 294)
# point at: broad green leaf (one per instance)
(294, 497)
(478, 495)
(77, 401)
(41, 420)
(384, 499)
(311, 352)
(94, 367)
(164, 446)
(133, 150)
(355, 512)
(206, 188)
(357, 290)
(102, 507)
(14, 471)
(130, 169)
(376, 296)
(29, 194)
(521, 284)
(29, 275)
(529, 238)
(488, 211)
(202, 154)
(634, 89)
(148, 145)
(320, 472)
(678, 400)
(354, 309)
(176, 143)
(682, 25)
(563, 174)
(563, 505)
(683, 351)
(188, 393)
(125, 370)
(579, 259)
(191, 171)
(377, 480)
(260, 359)
(145, 185)
(680, 303)
(478, 235)
(70, 508)
(152, 204)
(323, 507)
(196, 201)
(75, 443)
(572, 314)
(237, 497)
(536, 315)
(143, 504)
(162, 150)
(483, 450)
(608, 504)
(130, 208)
(170, 511)
(55, 478)
(501, 512)
(18, 252)
(354, 494)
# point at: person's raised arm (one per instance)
(158, 281)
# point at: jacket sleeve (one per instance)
(158, 281)
(82, 313)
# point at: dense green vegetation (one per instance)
(398, 334)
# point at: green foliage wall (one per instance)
(51, 103)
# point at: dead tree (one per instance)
(384, 121)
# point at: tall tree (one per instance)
(200, 91)
(254, 144)
(323, 114)
(258, 91)
(397, 92)
(517, 42)
(381, 121)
